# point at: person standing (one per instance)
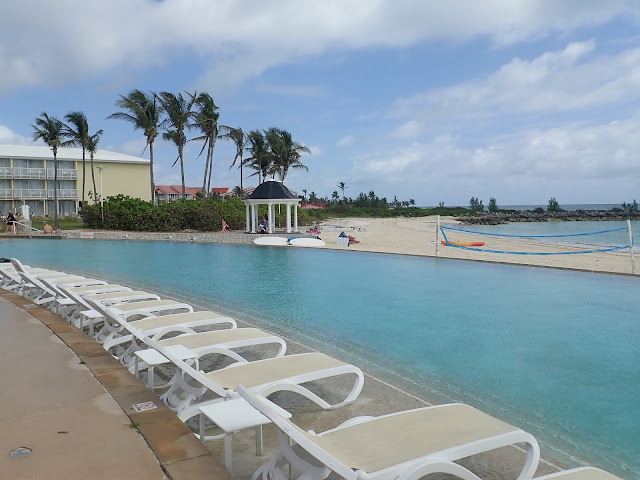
(11, 223)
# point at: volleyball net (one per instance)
(538, 244)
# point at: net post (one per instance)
(437, 235)
(633, 263)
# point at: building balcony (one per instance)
(6, 172)
(6, 194)
(23, 172)
(63, 193)
(63, 174)
(29, 193)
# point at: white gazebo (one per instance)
(271, 193)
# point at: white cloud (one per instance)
(408, 130)
(316, 151)
(9, 137)
(136, 147)
(346, 141)
(238, 43)
(576, 162)
(566, 80)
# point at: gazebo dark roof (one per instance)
(271, 190)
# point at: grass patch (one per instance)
(65, 223)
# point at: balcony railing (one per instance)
(29, 193)
(63, 173)
(64, 193)
(6, 193)
(6, 172)
(23, 172)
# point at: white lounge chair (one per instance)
(108, 288)
(112, 298)
(217, 342)
(400, 446)
(263, 377)
(118, 331)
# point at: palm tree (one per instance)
(335, 196)
(286, 153)
(342, 187)
(144, 113)
(260, 160)
(92, 147)
(51, 130)
(179, 112)
(77, 129)
(239, 138)
(206, 120)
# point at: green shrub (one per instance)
(132, 214)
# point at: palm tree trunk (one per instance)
(93, 179)
(84, 170)
(206, 170)
(180, 148)
(55, 190)
(153, 185)
(241, 189)
(212, 144)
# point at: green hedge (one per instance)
(202, 214)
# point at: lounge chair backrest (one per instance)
(17, 264)
(68, 291)
(110, 315)
(299, 436)
(57, 291)
(35, 281)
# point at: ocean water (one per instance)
(554, 352)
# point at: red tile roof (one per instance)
(313, 206)
(177, 189)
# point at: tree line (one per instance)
(271, 151)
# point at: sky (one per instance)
(435, 101)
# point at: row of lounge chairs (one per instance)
(404, 445)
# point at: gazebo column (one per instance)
(271, 217)
(248, 219)
(254, 218)
(295, 218)
(288, 218)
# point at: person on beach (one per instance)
(11, 223)
(47, 228)
(224, 226)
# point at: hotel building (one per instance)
(27, 177)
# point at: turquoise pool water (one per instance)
(555, 352)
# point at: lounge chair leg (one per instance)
(228, 452)
(259, 448)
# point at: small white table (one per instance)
(152, 358)
(233, 416)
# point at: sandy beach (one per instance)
(417, 236)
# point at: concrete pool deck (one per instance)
(71, 403)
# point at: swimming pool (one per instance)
(555, 352)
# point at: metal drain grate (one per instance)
(20, 452)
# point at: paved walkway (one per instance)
(71, 403)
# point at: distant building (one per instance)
(170, 193)
(27, 177)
